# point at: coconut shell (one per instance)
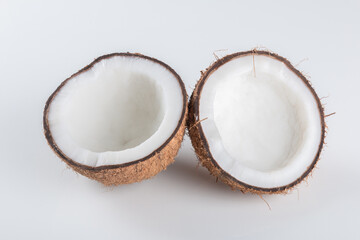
(200, 143)
(134, 171)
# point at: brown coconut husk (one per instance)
(200, 143)
(136, 170)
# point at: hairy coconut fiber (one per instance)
(135, 171)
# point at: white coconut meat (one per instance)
(120, 110)
(263, 127)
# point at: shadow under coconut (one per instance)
(192, 175)
(184, 193)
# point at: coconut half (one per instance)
(119, 120)
(256, 123)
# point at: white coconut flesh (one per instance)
(262, 128)
(120, 110)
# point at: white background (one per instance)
(44, 42)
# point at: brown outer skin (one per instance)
(136, 170)
(200, 143)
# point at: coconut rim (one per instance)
(195, 102)
(57, 150)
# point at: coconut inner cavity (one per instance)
(119, 112)
(259, 120)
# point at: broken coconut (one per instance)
(256, 123)
(119, 120)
